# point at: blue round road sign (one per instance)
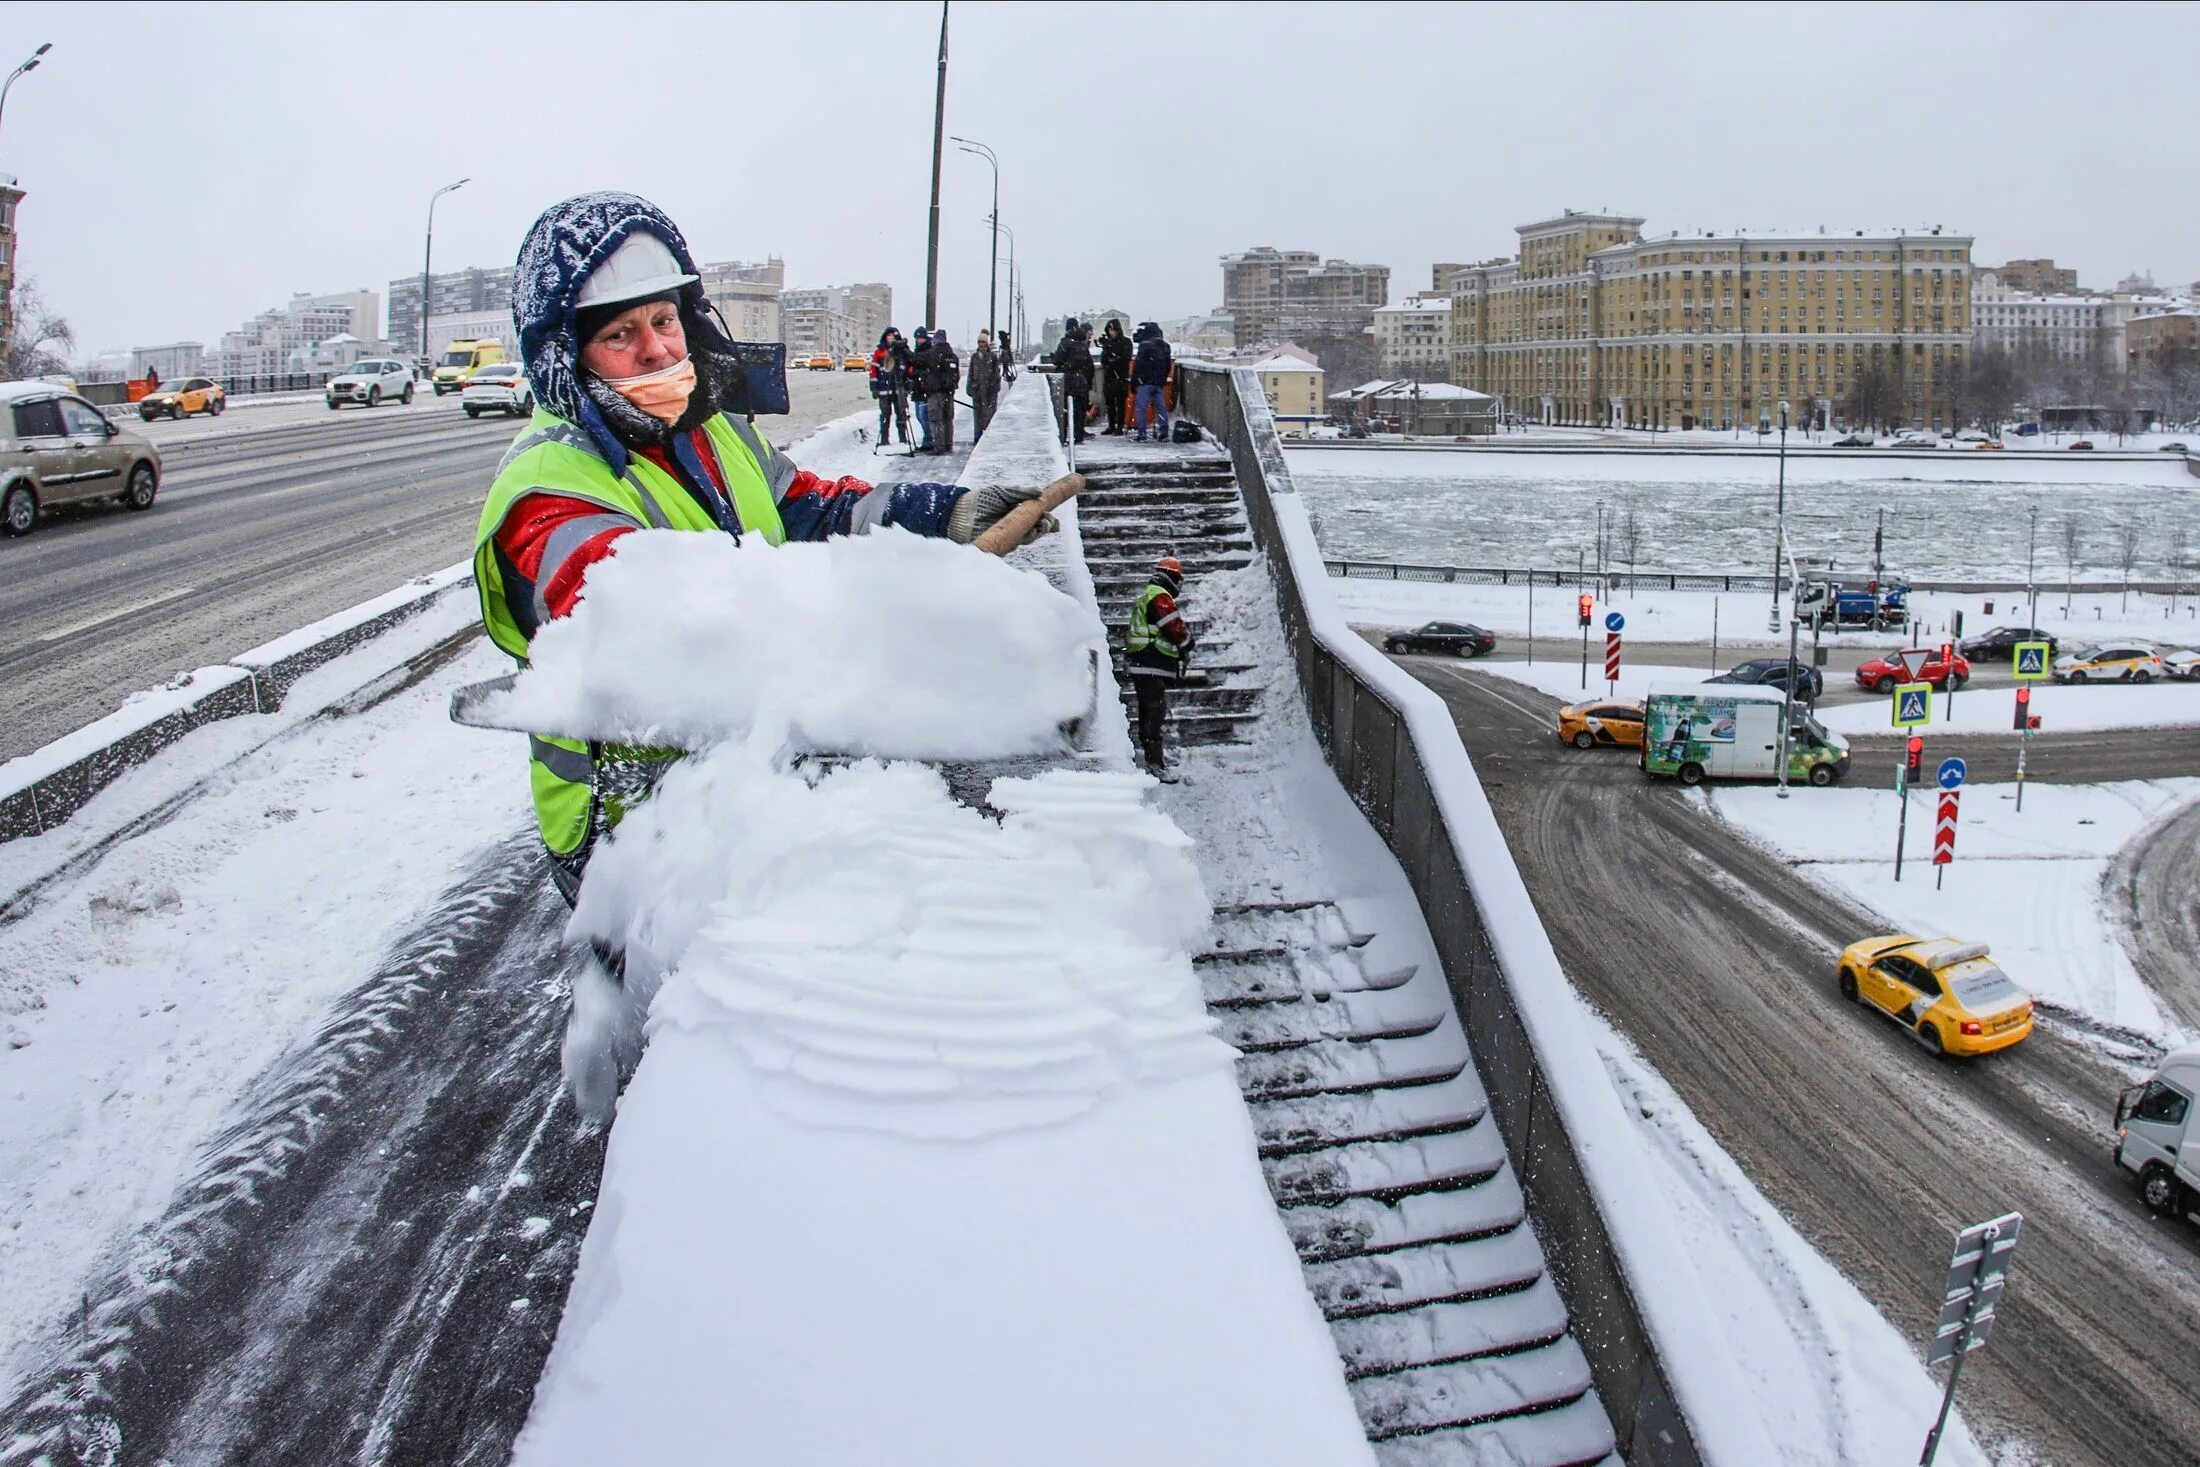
(1951, 773)
(1615, 622)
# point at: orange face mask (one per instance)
(662, 394)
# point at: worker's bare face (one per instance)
(637, 342)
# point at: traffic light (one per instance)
(1585, 605)
(1916, 760)
(2024, 706)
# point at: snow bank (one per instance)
(2029, 885)
(882, 644)
(2060, 709)
(932, 1157)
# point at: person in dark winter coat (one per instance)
(1073, 359)
(1151, 375)
(985, 385)
(920, 361)
(942, 377)
(890, 385)
(1115, 376)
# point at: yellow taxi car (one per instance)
(1614, 725)
(2126, 662)
(191, 395)
(821, 364)
(855, 364)
(1948, 993)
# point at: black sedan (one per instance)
(2000, 644)
(1775, 672)
(1443, 638)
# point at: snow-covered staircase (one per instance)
(1374, 1130)
(1146, 500)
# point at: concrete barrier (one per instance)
(45, 787)
(1671, 1386)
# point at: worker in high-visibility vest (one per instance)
(1157, 650)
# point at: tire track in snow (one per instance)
(371, 1263)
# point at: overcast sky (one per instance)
(189, 165)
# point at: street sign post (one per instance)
(1944, 835)
(1948, 679)
(2031, 661)
(1905, 775)
(2032, 665)
(1913, 660)
(1952, 772)
(1585, 608)
(1969, 1300)
(1612, 625)
(1913, 704)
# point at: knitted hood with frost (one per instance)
(562, 249)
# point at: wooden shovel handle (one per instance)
(1009, 530)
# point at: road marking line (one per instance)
(1488, 684)
(107, 616)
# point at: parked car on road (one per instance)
(1613, 725)
(1853, 440)
(1992, 445)
(1916, 438)
(2001, 643)
(2081, 445)
(1950, 995)
(2181, 664)
(191, 395)
(56, 448)
(502, 388)
(2128, 662)
(1881, 674)
(1444, 638)
(371, 383)
(2173, 448)
(1973, 435)
(1775, 672)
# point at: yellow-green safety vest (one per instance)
(552, 456)
(1143, 635)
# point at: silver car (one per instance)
(371, 383)
(56, 448)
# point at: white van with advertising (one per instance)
(1732, 731)
(2156, 1133)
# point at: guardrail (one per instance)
(1638, 1309)
(1663, 580)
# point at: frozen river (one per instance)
(1952, 518)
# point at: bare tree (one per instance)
(2127, 555)
(1874, 395)
(1630, 544)
(2072, 544)
(39, 339)
(1986, 390)
(2180, 567)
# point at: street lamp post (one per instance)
(993, 277)
(1779, 546)
(30, 63)
(427, 260)
(1779, 534)
(1013, 334)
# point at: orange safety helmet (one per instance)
(1170, 564)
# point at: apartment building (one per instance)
(1592, 323)
(1293, 387)
(471, 291)
(2067, 326)
(174, 360)
(2037, 277)
(748, 296)
(2173, 334)
(815, 325)
(265, 345)
(10, 196)
(1413, 338)
(1271, 294)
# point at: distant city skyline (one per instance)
(1318, 139)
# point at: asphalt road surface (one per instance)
(269, 518)
(1717, 961)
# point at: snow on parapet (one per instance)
(881, 644)
(881, 957)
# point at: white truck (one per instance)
(2156, 1131)
(1696, 732)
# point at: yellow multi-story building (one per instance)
(1593, 324)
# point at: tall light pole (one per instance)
(939, 131)
(993, 278)
(1779, 534)
(30, 63)
(1001, 228)
(427, 258)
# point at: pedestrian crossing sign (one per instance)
(1913, 704)
(2031, 660)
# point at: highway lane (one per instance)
(1717, 961)
(268, 519)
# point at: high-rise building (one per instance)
(855, 316)
(1413, 338)
(748, 296)
(469, 291)
(1594, 324)
(266, 345)
(1271, 294)
(2083, 326)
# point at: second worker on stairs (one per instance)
(1157, 650)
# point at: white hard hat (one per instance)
(639, 268)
